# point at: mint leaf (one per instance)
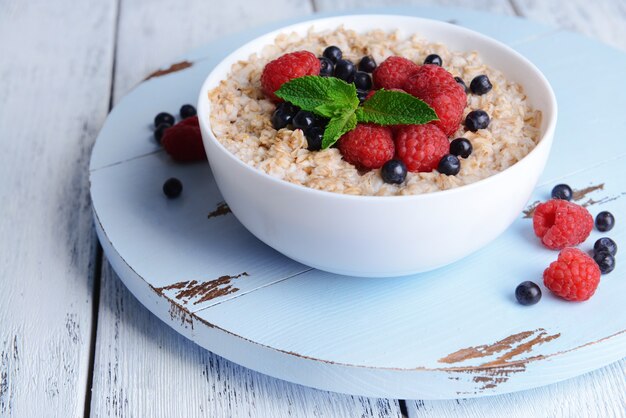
(388, 107)
(326, 96)
(338, 126)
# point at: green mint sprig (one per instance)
(337, 100)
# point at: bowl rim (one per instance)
(204, 109)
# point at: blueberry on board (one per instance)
(345, 70)
(362, 81)
(605, 221)
(462, 84)
(461, 147)
(605, 261)
(326, 67)
(605, 244)
(367, 64)
(563, 192)
(302, 120)
(393, 171)
(160, 130)
(480, 85)
(163, 117)
(449, 165)
(333, 53)
(527, 293)
(476, 119)
(433, 59)
(314, 136)
(283, 115)
(172, 188)
(187, 111)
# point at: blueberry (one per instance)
(480, 85)
(605, 221)
(283, 115)
(362, 95)
(314, 136)
(333, 53)
(527, 293)
(393, 171)
(367, 64)
(345, 70)
(605, 244)
(605, 261)
(462, 83)
(461, 147)
(476, 119)
(172, 187)
(326, 67)
(433, 59)
(160, 130)
(449, 165)
(187, 111)
(303, 120)
(362, 81)
(163, 117)
(562, 191)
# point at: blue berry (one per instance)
(563, 192)
(605, 244)
(345, 70)
(476, 119)
(393, 171)
(172, 188)
(302, 120)
(314, 136)
(449, 165)
(163, 117)
(283, 115)
(362, 81)
(433, 59)
(462, 84)
(605, 221)
(187, 111)
(480, 85)
(333, 53)
(527, 293)
(160, 130)
(605, 261)
(461, 147)
(367, 64)
(362, 95)
(326, 67)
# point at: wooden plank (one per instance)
(56, 72)
(496, 6)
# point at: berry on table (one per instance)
(286, 68)
(393, 171)
(477, 119)
(183, 141)
(480, 85)
(160, 130)
(362, 81)
(393, 72)
(433, 59)
(302, 120)
(368, 146)
(283, 115)
(462, 84)
(326, 67)
(314, 136)
(421, 147)
(367, 64)
(449, 165)
(461, 147)
(527, 293)
(345, 70)
(187, 111)
(172, 188)
(563, 192)
(333, 53)
(605, 261)
(362, 95)
(164, 117)
(561, 224)
(573, 276)
(605, 244)
(605, 221)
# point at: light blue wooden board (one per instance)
(380, 337)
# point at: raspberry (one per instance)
(183, 141)
(285, 68)
(573, 276)
(367, 146)
(393, 72)
(561, 224)
(421, 147)
(439, 90)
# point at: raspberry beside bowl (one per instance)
(391, 235)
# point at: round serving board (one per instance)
(450, 333)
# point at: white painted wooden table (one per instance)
(73, 340)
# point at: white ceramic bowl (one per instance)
(390, 235)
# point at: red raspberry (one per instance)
(439, 90)
(421, 147)
(561, 224)
(367, 146)
(573, 276)
(285, 68)
(393, 72)
(183, 141)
